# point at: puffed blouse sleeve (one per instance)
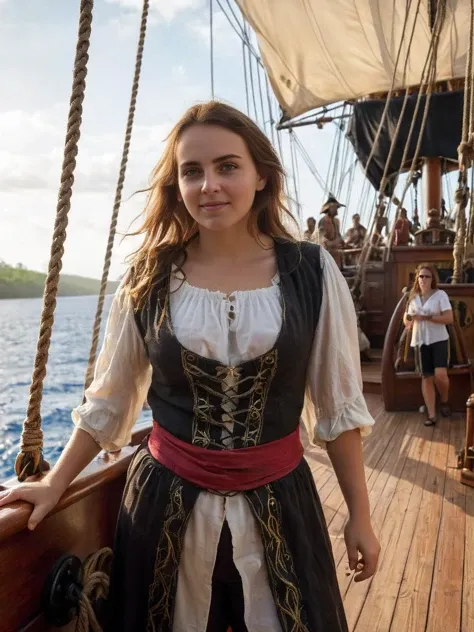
(121, 381)
(334, 401)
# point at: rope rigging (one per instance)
(427, 80)
(466, 157)
(118, 194)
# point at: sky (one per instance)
(37, 48)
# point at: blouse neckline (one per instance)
(280, 264)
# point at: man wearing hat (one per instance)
(330, 228)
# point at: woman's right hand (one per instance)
(42, 495)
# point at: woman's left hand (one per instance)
(360, 538)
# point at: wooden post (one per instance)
(467, 473)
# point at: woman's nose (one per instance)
(210, 183)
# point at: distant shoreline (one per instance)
(18, 282)
(28, 298)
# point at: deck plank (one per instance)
(396, 536)
(356, 593)
(467, 623)
(446, 592)
(411, 610)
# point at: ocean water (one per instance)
(69, 352)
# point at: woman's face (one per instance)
(425, 279)
(217, 177)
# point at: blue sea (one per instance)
(63, 386)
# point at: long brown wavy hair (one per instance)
(167, 225)
(416, 283)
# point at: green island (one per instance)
(19, 282)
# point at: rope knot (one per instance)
(461, 195)
(466, 153)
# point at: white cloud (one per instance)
(162, 9)
(33, 146)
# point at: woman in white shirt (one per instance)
(225, 323)
(427, 314)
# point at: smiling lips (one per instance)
(214, 206)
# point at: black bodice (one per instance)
(202, 401)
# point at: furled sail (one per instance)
(318, 52)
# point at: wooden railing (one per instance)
(81, 523)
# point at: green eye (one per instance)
(189, 173)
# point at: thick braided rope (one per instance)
(466, 157)
(30, 458)
(118, 197)
(95, 580)
(461, 199)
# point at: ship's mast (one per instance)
(431, 178)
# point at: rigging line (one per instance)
(367, 248)
(344, 169)
(270, 109)
(465, 157)
(252, 83)
(429, 82)
(294, 174)
(211, 37)
(394, 75)
(242, 35)
(329, 171)
(310, 164)
(118, 194)
(336, 162)
(342, 138)
(261, 99)
(347, 172)
(307, 159)
(350, 187)
(247, 99)
(470, 228)
(282, 160)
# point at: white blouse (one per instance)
(425, 332)
(201, 322)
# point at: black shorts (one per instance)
(434, 356)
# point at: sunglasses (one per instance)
(424, 276)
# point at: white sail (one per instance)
(319, 52)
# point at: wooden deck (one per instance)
(372, 373)
(424, 518)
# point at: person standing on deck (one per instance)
(427, 314)
(311, 234)
(356, 234)
(402, 230)
(226, 322)
(330, 229)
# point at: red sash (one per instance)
(226, 470)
